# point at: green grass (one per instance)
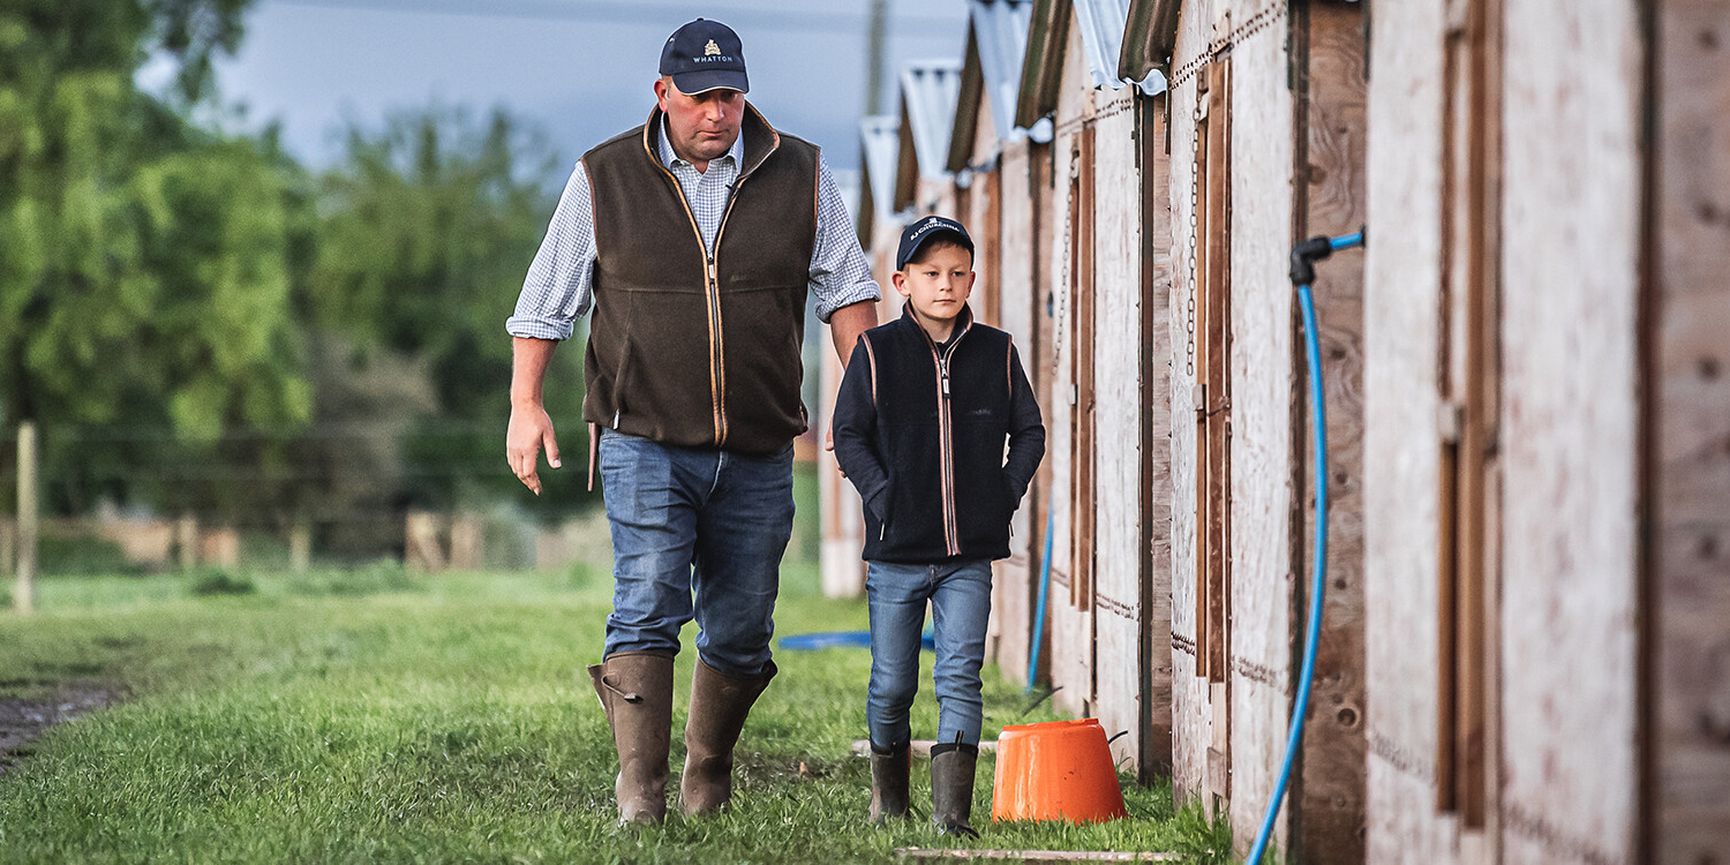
(372, 716)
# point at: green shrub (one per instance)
(82, 554)
(219, 582)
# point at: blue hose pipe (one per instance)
(1039, 614)
(1303, 273)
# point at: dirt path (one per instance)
(23, 721)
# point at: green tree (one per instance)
(144, 272)
(428, 226)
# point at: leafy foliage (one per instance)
(426, 230)
(144, 260)
(201, 325)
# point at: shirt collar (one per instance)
(669, 158)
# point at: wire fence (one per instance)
(431, 493)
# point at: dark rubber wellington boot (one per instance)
(952, 766)
(719, 704)
(636, 690)
(889, 783)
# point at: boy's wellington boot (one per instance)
(889, 783)
(636, 691)
(719, 704)
(952, 766)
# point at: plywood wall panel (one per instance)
(1332, 784)
(1072, 647)
(1156, 264)
(1402, 304)
(1017, 575)
(1118, 408)
(1263, 448)
(1571, 261)
(1690, 421)
(1192, 715)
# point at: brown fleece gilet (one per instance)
(687, 351)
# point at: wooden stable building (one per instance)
(1525, 652)
(1101, 387)
(1266, 147)
(1547, 458)
(923, 184)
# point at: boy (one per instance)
(920, 424)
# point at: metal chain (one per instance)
(1251, 26)
(1060, 315)
(1194, 225)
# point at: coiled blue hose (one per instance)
(1318, 584)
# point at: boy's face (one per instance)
(938, 283)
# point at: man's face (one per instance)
(701, 127)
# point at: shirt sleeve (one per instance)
(840, 273)
(560, 285)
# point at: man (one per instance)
(696, 238)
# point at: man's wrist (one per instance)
(525, 403)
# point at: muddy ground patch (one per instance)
(23, 720)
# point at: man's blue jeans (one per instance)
(960, 596)
(695, 519)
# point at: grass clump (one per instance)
(220, 582)
(375, 579)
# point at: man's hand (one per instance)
(530, 428)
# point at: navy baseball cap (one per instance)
(705, 55)
(919, 231)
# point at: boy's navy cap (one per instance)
(705, 55)
(916, 234)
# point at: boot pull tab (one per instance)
(600, 681)
(628, 696)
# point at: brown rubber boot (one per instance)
(719, 704)
(889, 783)
(952, 768)
(636, 690)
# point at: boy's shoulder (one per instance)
(988, 331)
(898, 327)
(882, 331)
(877, 340)
(899, 338)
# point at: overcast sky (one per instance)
(579, 69)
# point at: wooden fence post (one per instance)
(186, 541)
(300, 547)
(468, 541)
(422, 550)
(24, 597)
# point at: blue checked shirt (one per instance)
(560, 284)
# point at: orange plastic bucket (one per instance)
(1059, 770)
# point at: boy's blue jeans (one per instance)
(695, 519)
(960, 596)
